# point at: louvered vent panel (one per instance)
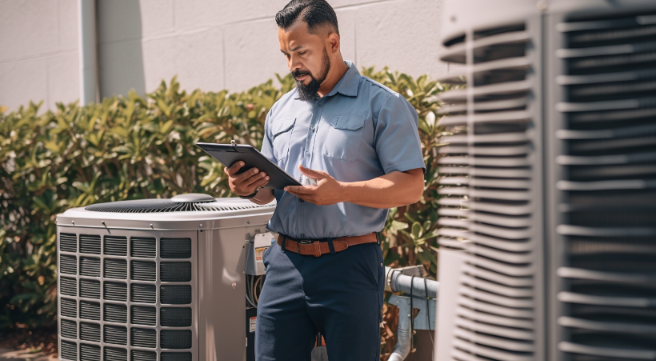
(115, 335)
(115, 313)
(143, 293)
(146, 316)
(68, 264)
(89, 352)
(175, 295)
(68, 242)
(115, 354)
(175, 339)
(175, 316)
(90, 310)
(127, 318)
(486, 171)
(90, 332)
(142, 337)
(143, 356)
(68, 286)
(115, 291)
(175, 248)
(453, 163)
(68, 307)
(143, 247)
(90, 267)
(143, 271)
(68, 350)
(175, 356)
(68, 329)
(116, 268)
(90, 244)
(608, 160)
(116, 246)
(175, 271)
(90, 289)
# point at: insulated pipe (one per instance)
(88, 52)
(403, 343)
(402, 283)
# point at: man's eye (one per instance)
(302, 52)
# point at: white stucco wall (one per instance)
(208, 44)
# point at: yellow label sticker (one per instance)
(258, 253)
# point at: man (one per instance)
(359, 141)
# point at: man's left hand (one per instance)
(327, 191)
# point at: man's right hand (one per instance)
(246, 183)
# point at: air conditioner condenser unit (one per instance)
(156, 279)
(548, 181)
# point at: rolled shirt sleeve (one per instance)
(397, 136)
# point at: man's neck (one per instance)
(335, 74)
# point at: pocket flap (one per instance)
(347, 122)
(281, 125)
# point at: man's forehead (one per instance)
(296, 36)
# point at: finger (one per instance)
(233, 169)
(261, 183)
(240, 178)
(300, 190)
(247, 182)
(316, 174)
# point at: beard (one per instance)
(309, 92)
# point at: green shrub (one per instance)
(143, 147)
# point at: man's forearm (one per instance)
(263, 196)
(390, 190)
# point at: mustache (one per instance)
(296, 73)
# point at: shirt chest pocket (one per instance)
(344, 137)
(281, 130)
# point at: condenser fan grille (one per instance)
(608, 189)
(486, 186)
(168, 205)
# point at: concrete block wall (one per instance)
(38, 52)
(208, 44)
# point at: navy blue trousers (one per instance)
(339, 295)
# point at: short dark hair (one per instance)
(313, 12)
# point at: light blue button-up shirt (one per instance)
(359, 131)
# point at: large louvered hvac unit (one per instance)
(548, 237)
(158, 279)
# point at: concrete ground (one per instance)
(24, 355)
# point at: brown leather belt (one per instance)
(318, 248)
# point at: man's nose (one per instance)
(294, 64)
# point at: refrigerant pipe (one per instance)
(399, 282)
(421, 288)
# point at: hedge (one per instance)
(143, 147)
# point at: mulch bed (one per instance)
(44, 340)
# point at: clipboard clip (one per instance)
(234, 145)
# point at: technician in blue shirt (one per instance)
(360, 141)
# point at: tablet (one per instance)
(229, 154)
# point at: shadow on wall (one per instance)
(120, 56)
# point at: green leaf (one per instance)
(417, 230)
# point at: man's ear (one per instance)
(333, 42)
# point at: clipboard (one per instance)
(229, 154)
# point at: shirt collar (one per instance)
(349, 83)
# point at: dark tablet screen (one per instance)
(229, 154)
